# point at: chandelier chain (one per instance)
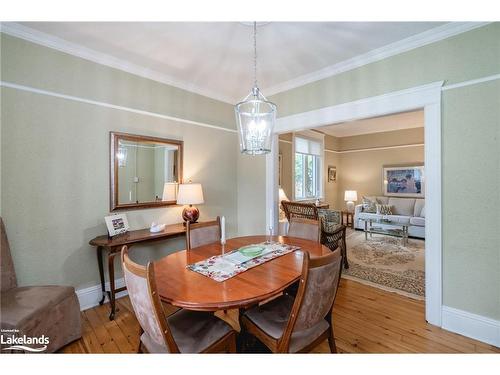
(255, 53)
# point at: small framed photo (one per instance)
(332, 173)
(117, 224)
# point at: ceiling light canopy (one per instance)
(255, 116)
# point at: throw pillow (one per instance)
(384, 209)
(369, 206)
(422, 213)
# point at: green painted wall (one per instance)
(30, 64)
(55, 159)
(471, 196)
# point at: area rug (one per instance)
(383, 261)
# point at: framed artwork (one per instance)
(332, 173)
(117, 224)
(404, 181)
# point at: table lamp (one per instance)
(350, 196)
(190, 194)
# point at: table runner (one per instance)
(223, 267)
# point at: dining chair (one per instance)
(306, 229)
(297, 325)
(200, 234)
(184, 331)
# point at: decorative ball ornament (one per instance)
(190, 214)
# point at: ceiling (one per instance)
(406, 120)
(215, 58)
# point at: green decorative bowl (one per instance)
(251, 250)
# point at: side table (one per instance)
(347, 219)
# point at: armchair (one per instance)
(332, 231)
(52, 311)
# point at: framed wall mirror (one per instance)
(144, 171)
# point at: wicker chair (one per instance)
(332, 231)
(300, 210)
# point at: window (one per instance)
(307, 168)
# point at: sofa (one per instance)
(405, 210)
(49, 311)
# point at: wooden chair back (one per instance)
(300, 210)
(147, 306)
(316, 294)
(306, 229)
(200, 234)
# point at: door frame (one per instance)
(426, 97)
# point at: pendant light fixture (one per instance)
(255, 116)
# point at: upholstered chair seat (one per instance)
(273, 317)
(193, 331)
(23, 303)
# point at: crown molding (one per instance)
(20, 31)
(419, 40)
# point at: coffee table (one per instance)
(396, 229)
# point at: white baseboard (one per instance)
(471, 325)
(90, 297)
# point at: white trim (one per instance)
(108, 105)
(472, 82)
(471, 325)
(363, 108)
(376, 148)
(20, 31)
(427, 37)
(427, 97)
(90, 297)
(271, 187)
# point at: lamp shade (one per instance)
(350, 195)
(169, 192)
(282, 196)
(190, 194)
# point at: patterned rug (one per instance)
(383, 261)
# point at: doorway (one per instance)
(427, 98)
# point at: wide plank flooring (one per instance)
(366, 320)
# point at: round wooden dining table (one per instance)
(188, 289)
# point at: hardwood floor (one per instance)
(366, 320)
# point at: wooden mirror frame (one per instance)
(115, 137)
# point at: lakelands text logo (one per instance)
(23, 343)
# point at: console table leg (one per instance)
(111, 266)
(101, 273)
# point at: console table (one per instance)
(114, 246)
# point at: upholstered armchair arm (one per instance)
(357, 209)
